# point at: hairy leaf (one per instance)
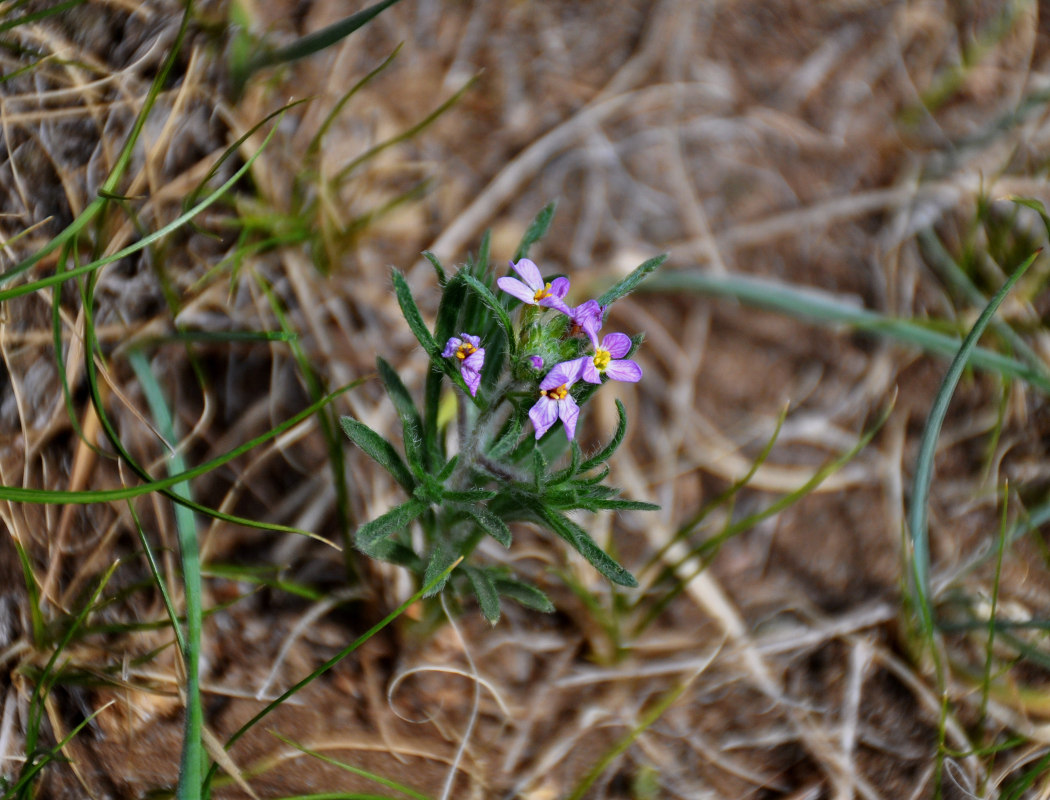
(380, 450)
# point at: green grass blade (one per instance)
(191, 770)
(119, 167)
(364, 773)
(923, 478)
(818, 306)
(141, 244)
(405, 135)
(317, 41)
(18, 494)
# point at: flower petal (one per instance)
(471, 377)
(569, 413)
(556, 303)
(475, 360)
(560, 287)
(588, 371)
(625, 370)
(518, 289)
(588, 312)
(451, 346)
(536, 361)
(618, 344)
(543, 415)
(590, 326)
(529, 273)
(566, 373)
(474, 340)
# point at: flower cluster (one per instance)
(555, 401)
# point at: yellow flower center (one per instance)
(465, 350)
(541, 293)
(558, 393)
(601, 359)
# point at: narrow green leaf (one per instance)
(481, 263)
(629, 283)
(617, 505)
(507, 439)
(141, 244)
(443, 556)
(587, 547)
(485, 591)
(494, 305)
(489, 522)
(827, 310)
(372, 776)
(435, 262)
(536, 230)
(413, 317)
(193, 754)
(411, 424)
(446, 470)
(35, 615)
(379, 450)
(312, 43)
(469, 495)
(394, 520)
(393, 551)
(606, 452)
(524, 594)
(923, 479)
(574, 465)
(539, 470)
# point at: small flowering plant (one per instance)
(523, 361)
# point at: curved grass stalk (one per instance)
(823, 308)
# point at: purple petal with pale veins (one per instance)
(569, 413)
(588, 371)
(588, 313)
(624, 371)
(543, 415)
(560, 287)
(451, 347)
(567, 373)
(617, 344)
(556, 303)
(529, 273)
(513, 286)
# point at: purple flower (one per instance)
(586, 314)
(536, 361)
(467, 350)
(533, 290)
(607, 358)
(555, 401)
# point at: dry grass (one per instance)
(776, 139)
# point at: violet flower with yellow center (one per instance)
(533, 290)
(585, 314)
(607, 358)
(555, 401)
(467, 350)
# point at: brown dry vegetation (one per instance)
(807, 143)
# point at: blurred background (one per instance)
(834, 184)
